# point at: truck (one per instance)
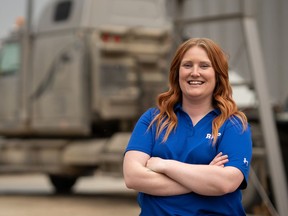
(72, 89)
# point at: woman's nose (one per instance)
(195, 72)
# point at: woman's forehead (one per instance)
(196, 53)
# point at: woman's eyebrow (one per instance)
(201, 62)
(205, 62)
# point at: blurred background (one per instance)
(75, 75)
(11, 10)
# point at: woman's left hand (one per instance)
(219, 160)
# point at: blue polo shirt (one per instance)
(193, 145)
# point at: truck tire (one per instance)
(63, 184)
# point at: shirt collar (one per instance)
(178, 106)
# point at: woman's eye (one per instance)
(205, 66)
(187, 65)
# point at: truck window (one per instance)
(9, 58)
(62, 11)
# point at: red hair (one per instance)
(222, 95)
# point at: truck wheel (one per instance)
(63, 184)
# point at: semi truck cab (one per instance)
(69, 105)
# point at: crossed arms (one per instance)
(163, 177)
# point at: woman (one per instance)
(168, 158)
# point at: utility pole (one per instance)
(26, 62)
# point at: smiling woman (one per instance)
(197, 80)
(191, 154)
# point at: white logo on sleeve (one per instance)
(245, 161)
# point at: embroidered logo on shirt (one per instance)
(245, 161)
(209, 136)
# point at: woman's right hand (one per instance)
(219, 160)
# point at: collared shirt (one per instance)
(193, 144)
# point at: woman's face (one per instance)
(196, 76)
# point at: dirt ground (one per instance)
(32, 195)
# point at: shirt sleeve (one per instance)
(237, 144)
(143, 137)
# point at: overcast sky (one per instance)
(11, 9)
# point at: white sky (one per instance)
(11, 9)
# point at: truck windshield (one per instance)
(9, 58)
